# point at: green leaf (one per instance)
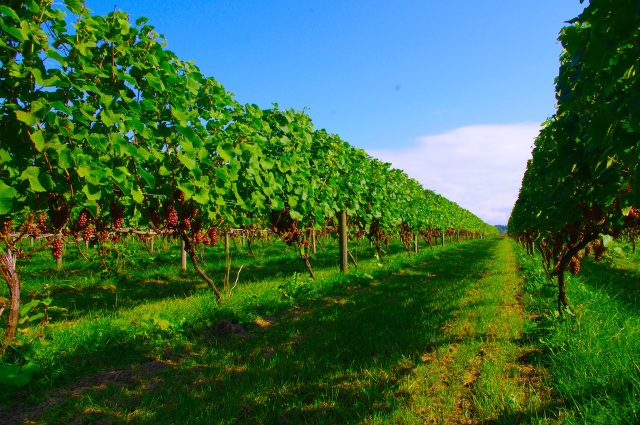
(7, 194)
(26, 118)
(148, 177)
(155, 82)
(163, 324)
(14, 32)
(31, 174)
(92, 192)
(25, 309)
(32, 6)
(187, 159)
(65, 159)
(38, 139)
(16, 376)
(193, 85)
(6, 10)
(201, 196)
(188, 133)
(37, 75)
(223, 153)
(607, 241)
(52, 54)
(36, 317)
(46, 182)
(137, 196)
(57, 309)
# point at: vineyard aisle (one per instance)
(436, 341)
(477, 371)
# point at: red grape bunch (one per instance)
(56, 248)
(213, 236)
(117, 213)
(171, 215)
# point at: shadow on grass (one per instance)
(84, 288)
(619, 283)
(335, 359)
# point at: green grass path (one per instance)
(477, 371)
(436, 342)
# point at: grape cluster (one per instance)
(56, 248)
(285, 226)
(88, 232)
(117, 214)
(290, 235)
(7, 226)
(574, 265)
(213, 236)
(598, 250)
(42, 222)
(171, 215)
(588, 250)
(186, 223)
(83, 219)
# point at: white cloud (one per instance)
(478, 167)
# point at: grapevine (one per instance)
(581, 188)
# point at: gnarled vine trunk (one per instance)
(10, 274)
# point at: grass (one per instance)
(593, 357)
(431, 338)
(455, 335)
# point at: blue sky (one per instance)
(452, 91)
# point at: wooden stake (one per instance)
(227, 263)
(313, 240)
(183, 262)
(342, 239)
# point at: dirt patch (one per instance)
(154, 282)
(226, 328)
(264, 322)
(336, 300)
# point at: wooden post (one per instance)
(227, 263)
(415, 243)
(183, 262)
(151, 243)
(342, 238)
(442, 236)
(313, 240)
